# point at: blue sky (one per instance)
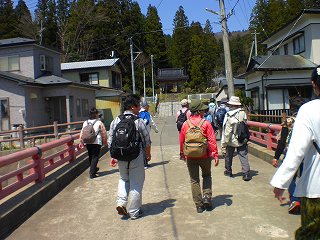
(195, 11)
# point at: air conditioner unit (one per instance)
(43, 63)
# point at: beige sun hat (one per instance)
(184, 102)
(234, 101)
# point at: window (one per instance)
(116, 81)
(46, 63)
(286, 51)
(11, 63)
(298, 45)
(85, 107)
(92, 78)
(4, 108)
(78, 107)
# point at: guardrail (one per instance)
(38, 166)
(25, 134)
(267, 139)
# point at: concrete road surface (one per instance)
(243, 210)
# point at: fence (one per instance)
(38, 165)
(272, 116)
(205, 96)
(23, 135)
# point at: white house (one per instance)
(276, 80)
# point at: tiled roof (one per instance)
(52, 79)
(89, 64)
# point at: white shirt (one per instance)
(96, 129)
(306, 130)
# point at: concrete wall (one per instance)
(169, 108)
(110, 107)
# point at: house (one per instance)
(223, 87)
(277, 80)
(105, 74)
(171, 79)
(32, 90)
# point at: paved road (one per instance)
(243, 210)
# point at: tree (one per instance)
(63, 13)
(8, 20)
(179, 49)
(25, 25)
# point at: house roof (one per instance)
(15, 41)
(236, 81)
(278, 63)
(304, 11)
(89, 64)
(43, 81)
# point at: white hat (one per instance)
(184, 102)
(234, 101)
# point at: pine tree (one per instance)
(179, 49)
(25, 26)
(8, 20)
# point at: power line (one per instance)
(159, 4)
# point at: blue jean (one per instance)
(291, 189)
(131, 183)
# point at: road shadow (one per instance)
(105, 173)
(253, 173)
(158, 163)
(157, 208)
(222, 200)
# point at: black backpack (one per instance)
(125, 144)
(243, 134)
(220, 114)
(181, 119)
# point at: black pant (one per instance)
(93, 152)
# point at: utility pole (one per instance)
(226, 47)
(255, 42)
(132, 67)
(144, 82)
(41, 31)
(152, 78)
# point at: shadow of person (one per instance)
(105, 173)
(158, 163)
(157, 208)
(252, 173)
(221, 200)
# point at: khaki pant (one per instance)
(193, 167)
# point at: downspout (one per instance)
(265, 74)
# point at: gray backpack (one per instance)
(89, 135)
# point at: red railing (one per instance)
(269, 138)
(38, 166)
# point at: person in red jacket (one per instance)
(198, 109)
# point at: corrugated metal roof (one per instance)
(89, 64)
(280, 62)
(15, 41)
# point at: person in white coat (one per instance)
(303, 146)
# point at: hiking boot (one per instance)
(122, 210)
(207, 203)
(246, 177)
(200, 209)
(228, 174)
(294, 207)
(138, 215)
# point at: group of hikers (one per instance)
(198, 124)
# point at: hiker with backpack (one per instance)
(183, 114)
(93, 135)
(129, 140)
(198, 148)
(219, 114)
(235, 135)
(148, 120)
(304, 148)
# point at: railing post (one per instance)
(71, 150)
(21, 137)
(39, 168)
(269, 139)
(55, 130)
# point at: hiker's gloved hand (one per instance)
(113, 162)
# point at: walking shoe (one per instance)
(138, 215)
(200, 209)
(122, 210)
(93, 176)
(294, 207)
(97, 169)
(228, 174)
(246, 177)
(207, 203)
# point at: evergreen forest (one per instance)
(84, 30)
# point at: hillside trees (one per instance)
(8, 20)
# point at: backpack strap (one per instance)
(316, 146)
(190, 124)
